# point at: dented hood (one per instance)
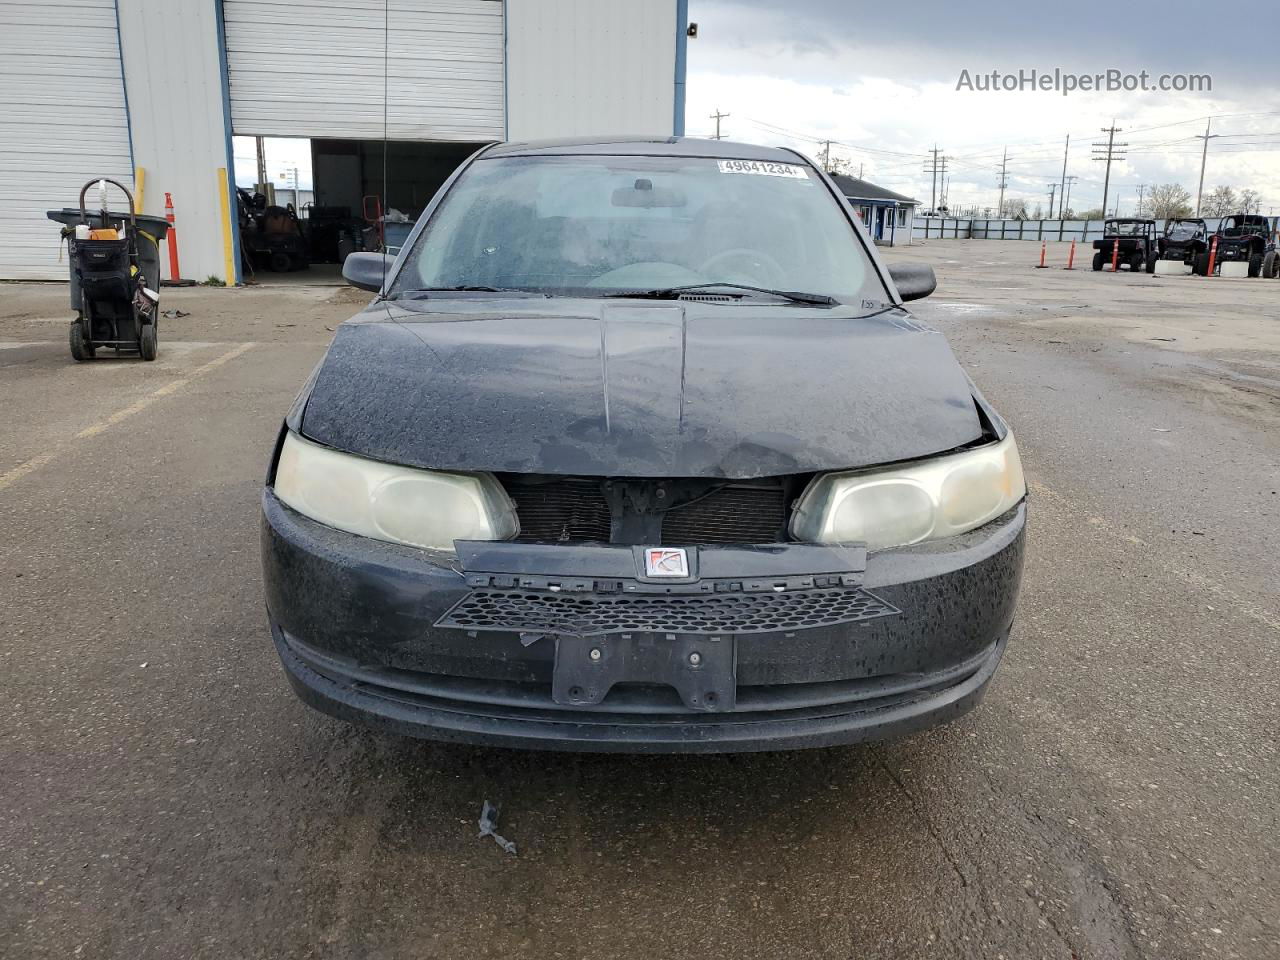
(637, 390)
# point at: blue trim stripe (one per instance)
(226, 126)
(682, 45)
(506, 92)
(124, 86)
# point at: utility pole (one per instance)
(717, 117)
(1062, 189)
(262, 165)
(1053, 189)
(928, 167)
(826, 156)
(1204, 156)
(1066, 200)
(1004, 182)
(1109, 151)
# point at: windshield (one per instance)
(1243, 226)
(1185, 229)
(600, 225)
(1126, 229)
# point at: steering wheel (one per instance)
(753, 260)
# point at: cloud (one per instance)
(886, 90)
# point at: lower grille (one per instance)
(532, 611)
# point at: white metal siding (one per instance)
(314, 68)
(586, 67)
(62, 122)
(174, 78)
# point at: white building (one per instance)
(889, 217)
(151, 92)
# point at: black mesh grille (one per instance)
(745, 514)
(561, 509)
(575, 510)
(531, 611)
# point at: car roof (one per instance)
(644, 147)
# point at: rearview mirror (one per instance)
(366, 270)
(913, 280)
(645, 194)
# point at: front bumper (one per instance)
(354, 622)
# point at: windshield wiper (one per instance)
(672, 293)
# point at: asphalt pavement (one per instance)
(164, 795)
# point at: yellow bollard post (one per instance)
(227, 246)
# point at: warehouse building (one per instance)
(151, 93)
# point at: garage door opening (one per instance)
(307, 204)
(274, 194)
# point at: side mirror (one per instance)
(366, 270)
(913, 280)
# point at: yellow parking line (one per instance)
(38, 461)
(22, 469)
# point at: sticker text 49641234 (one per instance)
(791, 171)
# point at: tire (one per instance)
(1098, 260)
(1137, 263)
(1151, 263)
(1201, 265)
(280, 262)
(1269, 265)
(1255, 265)
(81, 350)
(148, 342)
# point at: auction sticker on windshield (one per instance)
(792, 171)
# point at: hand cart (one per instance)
(115, 275)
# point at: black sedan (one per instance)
(638, 449)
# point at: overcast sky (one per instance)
(881, 78)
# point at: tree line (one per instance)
(1162, 202)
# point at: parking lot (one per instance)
(165, 794)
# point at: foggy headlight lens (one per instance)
(915, 502)
(421, 508)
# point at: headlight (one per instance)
(919, 501)
(421, 508)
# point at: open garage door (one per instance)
(62, 121)
(314, 68)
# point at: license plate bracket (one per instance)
(701, 668)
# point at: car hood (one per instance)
(637, 390)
